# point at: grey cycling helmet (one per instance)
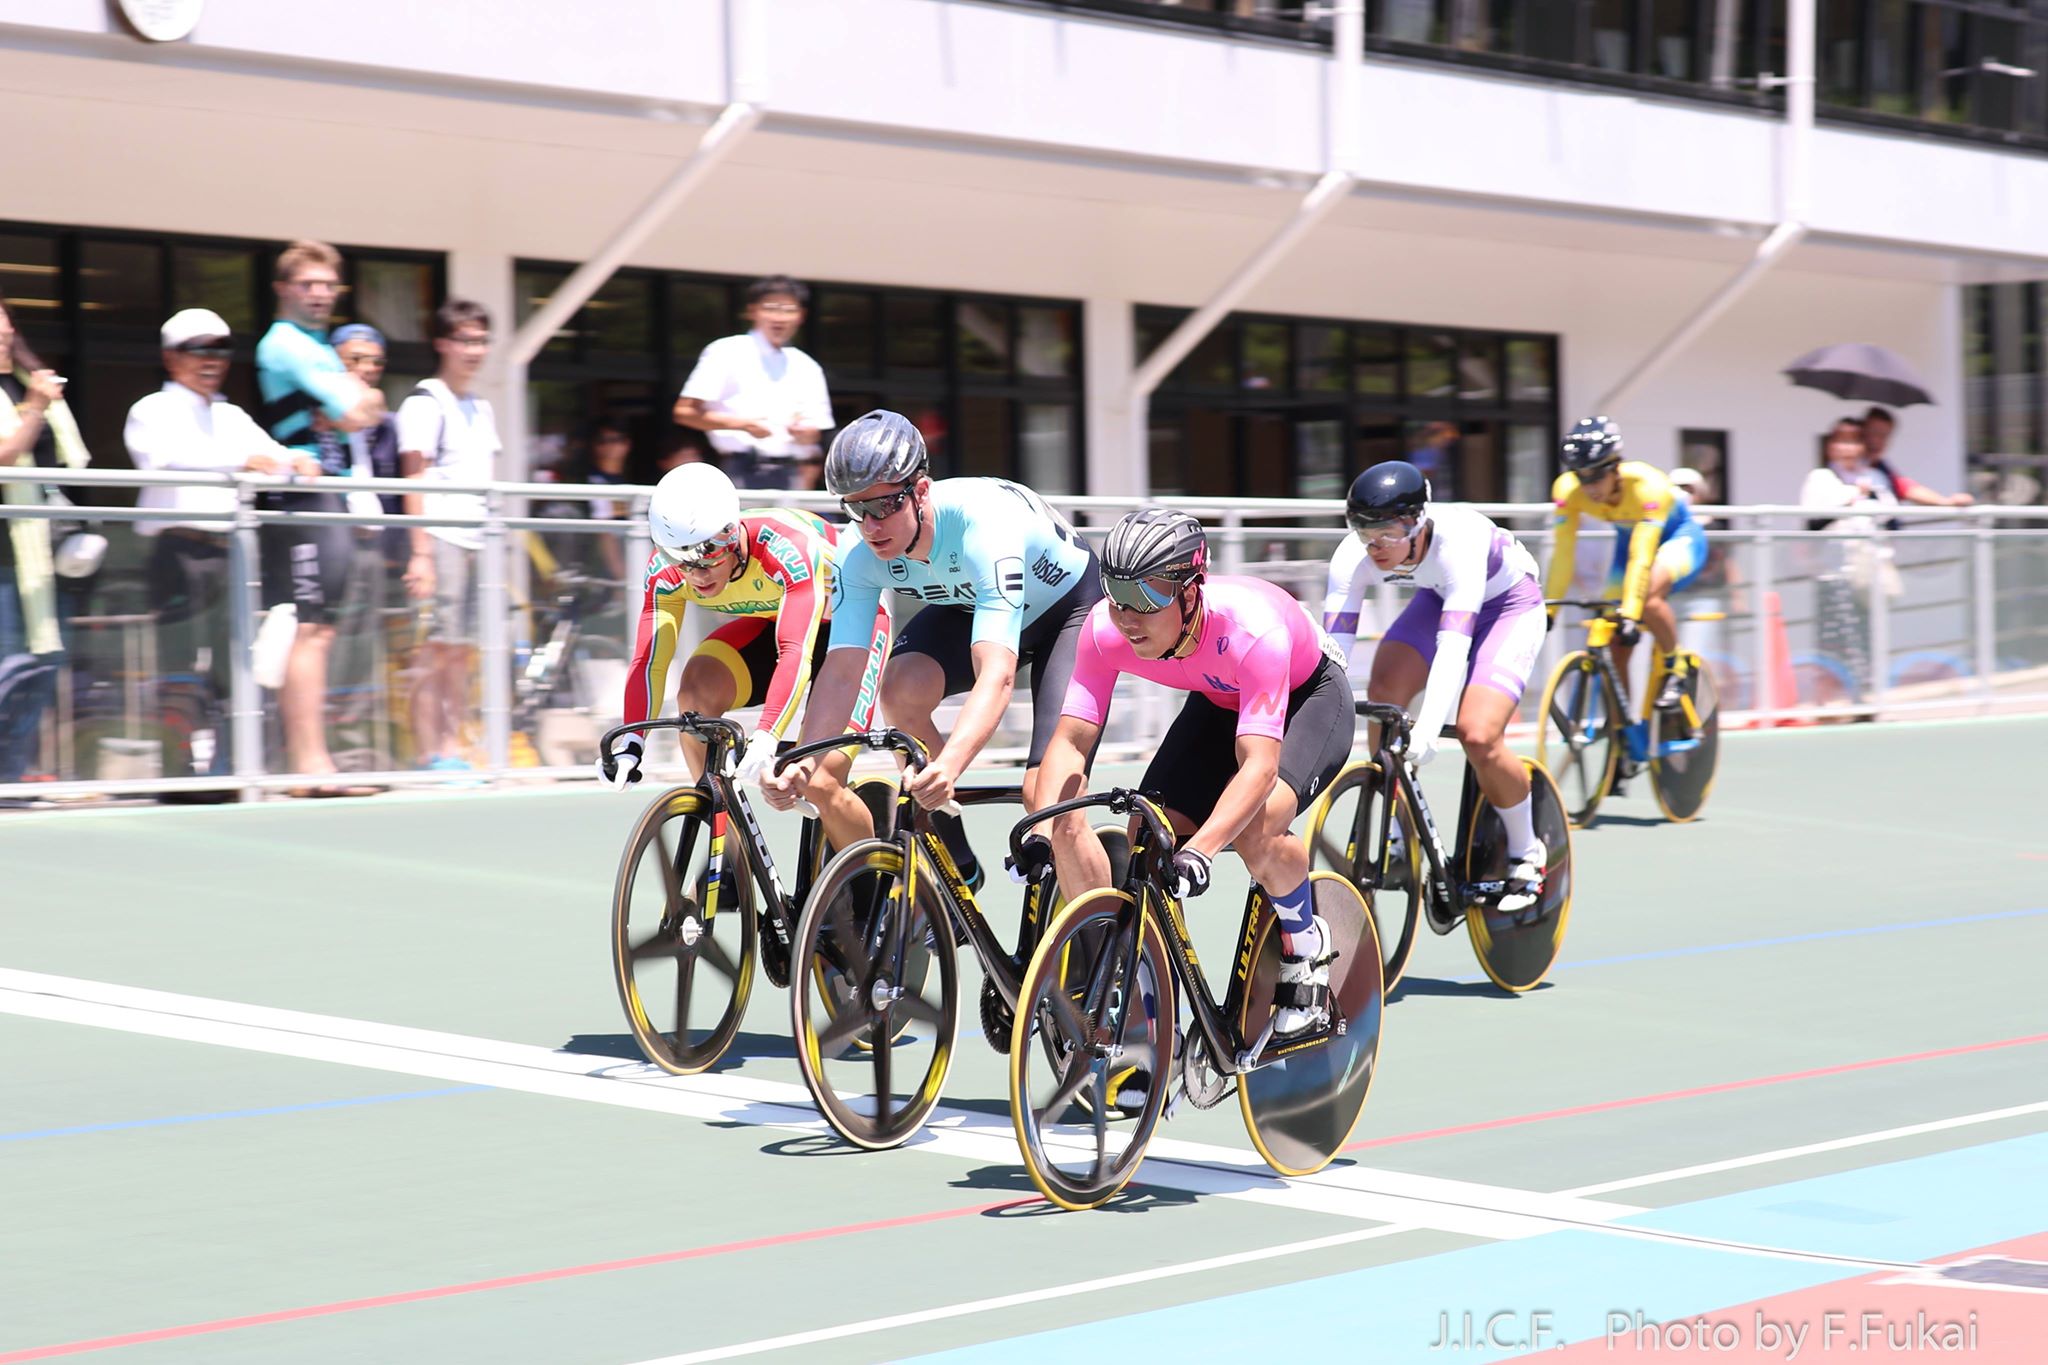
(1157, 544)
(880, 447)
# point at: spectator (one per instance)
(188, 426)
(1878, 425)
(446, 434)
(373, 451)
(761, 400)
(688, 448)
(1849, 479)
(1432, 455)
(36, 429)
(310, 401)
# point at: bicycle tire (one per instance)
(1057, 1024)
(1682, 779)
(722, 938)
(1516, 951)
(1586, 722)
(836, 1043)
(1397, 906)
(1301, 1111)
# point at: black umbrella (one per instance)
(1854, 370)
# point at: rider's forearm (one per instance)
(995, 672)
(1642, 552)
(830, 704)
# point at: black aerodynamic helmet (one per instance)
(1593, 444)
(1385, 493)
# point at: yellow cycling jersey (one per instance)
(1646, 504)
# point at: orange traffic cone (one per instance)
(1780, 689)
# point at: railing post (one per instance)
(245, 703)
(494, 613)
(1984, 599)
(1881, 561)
(1232, 558)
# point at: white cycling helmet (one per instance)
(695, 513)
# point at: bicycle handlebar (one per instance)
(1604, 606)
(910, 746)
(1121, 801)
(717, 732)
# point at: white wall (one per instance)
(999, 76)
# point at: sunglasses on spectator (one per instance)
(1141, 595)
(876, 509)
(207, 350)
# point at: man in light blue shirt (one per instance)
(309, 400)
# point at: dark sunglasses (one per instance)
(875, 509)
(1138, 595)
(207, 350)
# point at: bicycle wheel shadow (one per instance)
(1132, 1198)
(1624, 821)
(622, 1046)
(1457, 987)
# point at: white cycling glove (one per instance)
(1422, 748)
(621, 769)
(760, 753)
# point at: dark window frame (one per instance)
(942, 388)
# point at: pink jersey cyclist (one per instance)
(1255, 659)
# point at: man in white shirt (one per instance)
(761, 400)
(446, 434)
(188, 426)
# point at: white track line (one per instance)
(1201, 1168)
(1789, 1153)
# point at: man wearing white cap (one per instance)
(188, 426)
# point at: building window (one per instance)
(1976, 69)
(2005, 367)
(1297, 407)
(92, 301)
(993, 382)
(1707, 452)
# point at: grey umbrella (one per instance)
(1852, 369)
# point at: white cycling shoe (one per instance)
(1525, 880)
(1301, 997)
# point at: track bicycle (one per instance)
(876, 953)
(689, 921)
(1093, 1026)
(1374, 826)
(1583, 739)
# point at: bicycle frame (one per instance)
(1446, 893)
(1146, 882)
(918, 843)
(725, 798)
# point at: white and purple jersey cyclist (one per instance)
(1268, 724)
(1468, 639)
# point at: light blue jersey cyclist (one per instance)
(1002, 579)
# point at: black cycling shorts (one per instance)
(1198, 757)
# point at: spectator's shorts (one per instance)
(307, 566)
(455, 604)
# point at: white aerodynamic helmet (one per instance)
(695, 513)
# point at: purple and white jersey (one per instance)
(1471, 564)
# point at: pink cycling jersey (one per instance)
(1257, 645)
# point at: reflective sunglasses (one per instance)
(705, 553)
(1594, 473)
(1139, 595)
(875, 509)
(208, 350)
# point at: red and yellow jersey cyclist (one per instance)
(1659, 548)
(772, 570)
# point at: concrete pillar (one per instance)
(1116, 427)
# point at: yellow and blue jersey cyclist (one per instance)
(1659, 548)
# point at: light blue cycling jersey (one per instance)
(298, 374)
(996, 550)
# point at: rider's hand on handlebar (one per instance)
(932, 785)
(620, 768)
(1421, 749)
(784, 789)
(1627, 632)
(760, 752)
(1190, 873)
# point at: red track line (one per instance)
(1632, 1102)
(505, 1282)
